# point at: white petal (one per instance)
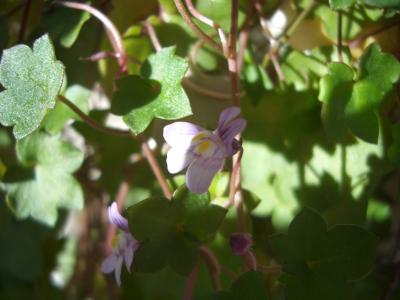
(178, 159)
(180, 134)
(108, 265)
(200, 173)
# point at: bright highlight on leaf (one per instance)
(32, 78)
(44, 182)
(352, 100)
(158, 94)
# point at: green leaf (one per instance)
(335, 92)
(57, 118)
(352, 24)
(170, 103)
(383, 3)
(32, 79)
(65, 24)
(319, 263)
(341, 4)
(352, 101)
(177, 229)
(44, 183)
(249, 285)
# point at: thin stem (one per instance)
(244, 38)
(14, 10)
(186, 17)
(209, 22)
(213, 266)
(235, 184)
(277, 65)
(203, 91)
(24, 21)
(339, 36)
(232, 55)
(152, 35)
(94, 124)
(191, 282)
(251, 260)
(162, 180)
(112, 32)
(116, 42)
(357, 41)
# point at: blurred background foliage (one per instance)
(290, 161)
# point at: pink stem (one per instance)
(112, 32)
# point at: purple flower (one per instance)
(125, 249)
(240, 243)
(201, 150)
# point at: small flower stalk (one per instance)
(125, 249)
(202, 151)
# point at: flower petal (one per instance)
(228, 115)
(200, 173)
(230, 131)
(108, 265)
(129, 252)
(178, 159)
(118, 269)
(180, 134)
(116, 218)
(128, 257)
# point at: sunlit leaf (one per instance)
(341, 4)
(351, 101)
(160, 92)
(44, 182)
(32, 80)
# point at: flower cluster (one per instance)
(125, 248)
(201, 150)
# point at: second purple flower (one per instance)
(201, 150)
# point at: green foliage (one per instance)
(338, 169)
(32, 79)
(159, 92)
(21, 255)
(341, 4)
(352, 101)
(57, 118)
(249, 285)
(319, 263)
(65, 24)
(383, 3)
(178, 227)
(45, 161)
